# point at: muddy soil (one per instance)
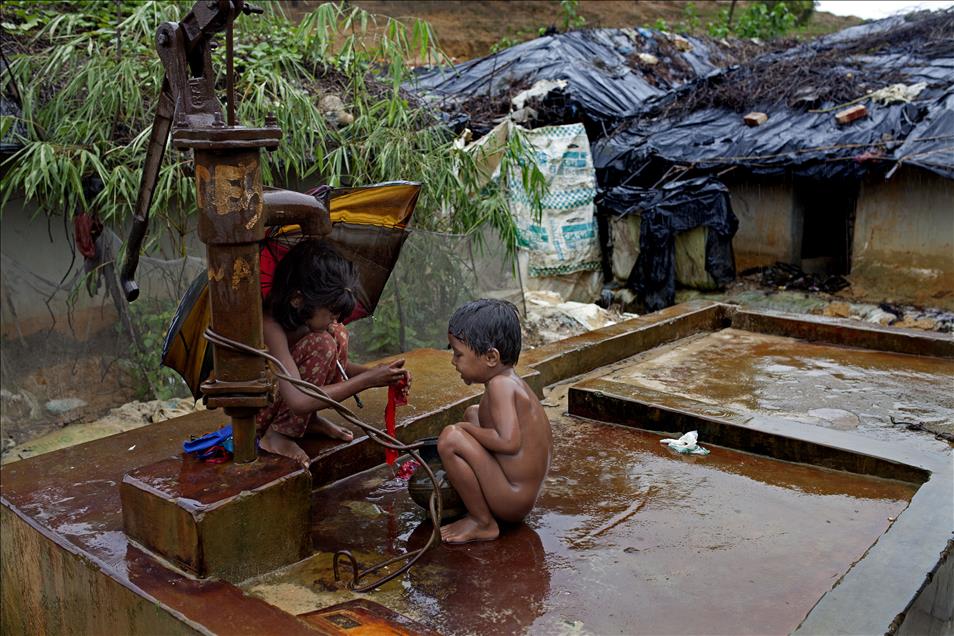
(467, 29)
(52, 380)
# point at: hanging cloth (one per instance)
(397, 396)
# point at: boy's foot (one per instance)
(275, 442)
(327, 428)
(469, 529)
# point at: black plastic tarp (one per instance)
(606, 82)
(931, 144)
(797, 140)
(806, 144)
(677, 207)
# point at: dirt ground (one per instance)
(467, 28)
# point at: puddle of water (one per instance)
(626, 537)
(744, 374)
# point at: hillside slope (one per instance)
(469, 28)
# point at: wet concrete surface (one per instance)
(626, 538)
(200, 515)
(72, 496)
(199, 484)
(738, 375)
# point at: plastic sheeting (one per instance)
(799, 141)
(805, 144)
(605, 81)
(665, 212)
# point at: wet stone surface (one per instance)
(627, 537)
(742, 374)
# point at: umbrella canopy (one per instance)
(369, 227)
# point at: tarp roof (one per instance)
(607, 81)
(800, 137)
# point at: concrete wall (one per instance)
(767, 224)
(63, 592)
(59, 342)
(904, 239)
(42, 274)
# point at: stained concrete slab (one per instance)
(68, 568)
(625, 537)
(777, 396)
(200, 515)
(743, 374)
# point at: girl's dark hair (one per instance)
(487, 324)
(323, 278)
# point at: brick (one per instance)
(851, 114)
(755, 119)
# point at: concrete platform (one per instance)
(200, 515)
(625, 537)
(62, 512)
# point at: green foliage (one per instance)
(690, 22)
(151, 319)
(569, 15)
(758, 20)
(88, 80)
(503, 43)
(801, 9)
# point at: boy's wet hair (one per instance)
(487, 324)
(324, 278)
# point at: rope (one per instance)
(374, 434)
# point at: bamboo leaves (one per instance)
(88, 82)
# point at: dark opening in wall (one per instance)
(824, 223)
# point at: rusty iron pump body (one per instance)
(234, 209)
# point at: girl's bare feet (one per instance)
(325, 427)
(469, 529)
(274, 442)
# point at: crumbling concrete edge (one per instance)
(845, 333)
(119, 598)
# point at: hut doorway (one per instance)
(824, 224)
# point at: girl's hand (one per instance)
(385, 374)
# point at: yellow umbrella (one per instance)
(369, 227)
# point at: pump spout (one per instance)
(285, 207)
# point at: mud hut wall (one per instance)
(41, 270)
(36, 254)
(59, 342)
(769, 229)
(904, 237)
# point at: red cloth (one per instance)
(86, 229)
(271, 254)
(397, 396)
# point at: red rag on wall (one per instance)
(397, 396)
(86, 229)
